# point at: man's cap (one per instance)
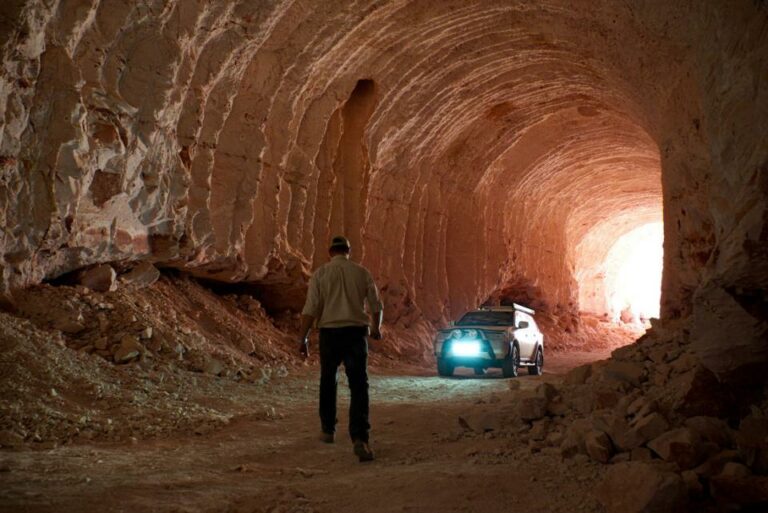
(340, 242)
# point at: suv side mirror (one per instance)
(522, 325)
(452, 323)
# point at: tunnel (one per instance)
(604, 163)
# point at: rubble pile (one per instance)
(672, 434)
(152, 317)
(138, 355)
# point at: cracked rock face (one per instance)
(466, 148)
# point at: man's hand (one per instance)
(306, 326)
(375, 333)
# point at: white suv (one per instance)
(501, 336)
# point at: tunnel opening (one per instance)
(633, 275)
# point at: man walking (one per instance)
(336, 299)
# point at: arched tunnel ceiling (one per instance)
(469, 103)
(462, 145)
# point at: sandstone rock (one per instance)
(622, 436)
(752, 441)
(692, 483)
(680, 446)
(629, 352)
(143, 274)
(67, 324)
(9, 438)
(714, 464)
(598, 446)
(480, 422)
(734, 492)
(635, 406)
(733, 469)
(650, 427)
(626, 372)
(697, 392)
(642, 488)
(532, 407)
(554, 439)
(621, 457)
(641, 454)
(146, 333)
(100, 278)
(723, 313)
(213, 366)
(557, 408)
(573, 438)
(539, 430)
(572, 444)
(547, 391)
(711, 429)
(128, 349)
(578, 375)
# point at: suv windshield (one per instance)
(488, 318)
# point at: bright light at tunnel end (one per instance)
(634, 282)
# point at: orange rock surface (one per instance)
(465, 147)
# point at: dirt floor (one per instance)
(430, 456)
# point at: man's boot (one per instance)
(362, 451)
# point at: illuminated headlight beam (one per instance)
(466, 348)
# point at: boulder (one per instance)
(734, 315)
(711, 429)
(100, 278)
(641, 454)
(539, 429)
(680, 446)
(735, 492)
(752, 442)
(128, 349)
(143, 274)
(547, 391)
(480, 422)
(692, 483)
(532, 407)
(697, 392)
(579, 375)
(626, 372)
(557, 408)
(213, 366)
(66, 323)
(734, 469)
(636, 487)
(620, 458)
(573, 438)
(714, 465)
(623, 437)
(598, 446)
(649, 427)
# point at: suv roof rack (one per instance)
(509, 308)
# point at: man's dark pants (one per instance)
(348, 346)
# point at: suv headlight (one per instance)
(470, 333)
(456, 334)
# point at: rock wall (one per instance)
(465, 147)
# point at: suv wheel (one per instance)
(445, 367)
(538, 368)
(511, 362)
